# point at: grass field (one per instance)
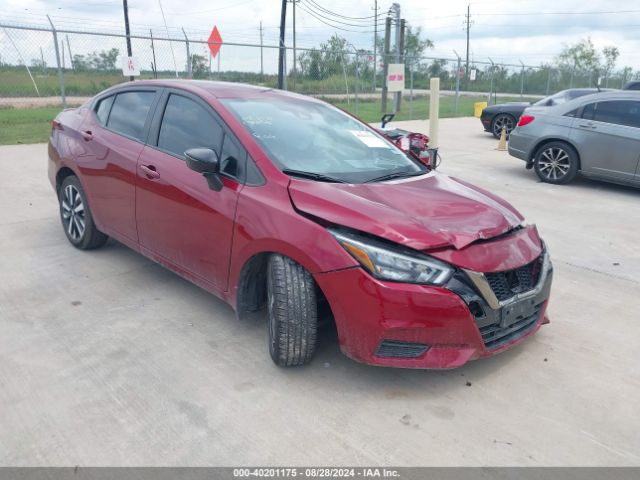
(32, 125)
(369, 110)
(28, 125)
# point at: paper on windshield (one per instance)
(369, 139)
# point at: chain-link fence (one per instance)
(43, 65)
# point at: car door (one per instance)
(181, 221)
(608, 138)
(115, 133)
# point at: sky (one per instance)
(509, 32)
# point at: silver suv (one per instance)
(597, 135)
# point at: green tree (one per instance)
(610, 55)
(199, 66)
(104, 60)
(414, 43)
(79, 63)
(581, 58)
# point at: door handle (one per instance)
(150, 171)
(587, 125)
(87, 135)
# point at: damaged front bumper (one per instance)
(421, 326)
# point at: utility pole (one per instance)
(468, 26)
(375, 43)
(64, 65)
(126, 30)
(70, 57)
(153, 51)
(283, 20)
(402, 60)
(261, 55)
(397, 95)
(385, 63)
(396, 6)
(294, 41)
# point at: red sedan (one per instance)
(267, 198)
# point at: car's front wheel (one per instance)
(556, 162)
(76, 217)
(292, 311)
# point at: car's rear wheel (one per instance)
(292, 311)
(556, 162)
(500, 121)
(76, 217)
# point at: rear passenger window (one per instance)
(187, 124)
(619, 112)
(104, 107)
(588, 111)
(129, 113)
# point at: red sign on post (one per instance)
(215, 41)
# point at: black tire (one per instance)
(292, 312)
(76, 217)
(500, 120)
(556, 162)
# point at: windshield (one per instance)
(319, 142)
(551, 100)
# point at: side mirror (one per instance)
(550, 102)
(206, 162)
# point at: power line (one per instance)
(310, 7)
(335, 27)
(320, 7)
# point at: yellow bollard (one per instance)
(502, 144)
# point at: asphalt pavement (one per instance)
(108, 359)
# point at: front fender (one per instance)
(266, 222)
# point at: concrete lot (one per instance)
(108, 359)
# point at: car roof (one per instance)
(598, 96)
(218, 89)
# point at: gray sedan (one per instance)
(597, 135)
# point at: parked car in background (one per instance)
(632, 85)
(505, 115)
(275, 200)
(597, 135)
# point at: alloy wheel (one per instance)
(73, 213)
(554, 163)
(501, 121)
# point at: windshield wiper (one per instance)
(391, 176)
(312, 176)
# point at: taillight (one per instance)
(525, 120)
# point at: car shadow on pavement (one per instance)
(212, 315)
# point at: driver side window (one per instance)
(233, 158)
(187, 124)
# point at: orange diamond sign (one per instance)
(215, 41)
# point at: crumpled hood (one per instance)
(426, 212)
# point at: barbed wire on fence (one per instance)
(80, 63)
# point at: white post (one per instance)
(434, 111)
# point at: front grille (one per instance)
(391, 348)
(495, 336)
(507, 284)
